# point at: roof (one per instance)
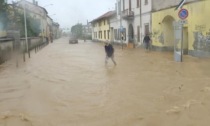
(33, 5)
(106, 15)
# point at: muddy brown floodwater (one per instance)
(69, 85)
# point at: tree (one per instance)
(33, 25)
(17, 18)
(12, 17)
(77, 30)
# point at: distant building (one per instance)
(87, 30)
(56, 30)
(49, 28)
(37, 12)
(101, 27)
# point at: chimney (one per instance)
(36, 3)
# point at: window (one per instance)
(138, 33)
(104, 34)
(146, 29)
(99, 35)
(118, 34)
(108, 32)
(115, 34)
(124, 34)
(146, 2)
(104, 22)
(137, 3)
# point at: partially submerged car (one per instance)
(73, 40)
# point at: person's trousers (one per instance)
(112, 58)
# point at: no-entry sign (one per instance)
(183, 14)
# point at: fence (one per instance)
(8, 46)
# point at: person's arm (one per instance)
(106, 49)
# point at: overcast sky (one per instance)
(70, 12)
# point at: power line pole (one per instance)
(26, 32)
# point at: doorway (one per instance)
(130, 34)
(185, 40)
(168, 32)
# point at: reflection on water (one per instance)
(70, 85)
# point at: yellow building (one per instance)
(101, 27)
(196, 33)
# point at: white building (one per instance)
(136, 21)
(146, 17)
(126, 25)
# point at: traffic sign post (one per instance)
(177, 42)
(178, 30)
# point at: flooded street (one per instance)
(69, 85)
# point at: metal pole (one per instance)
(26, 32)
(140, 21)
(121, 23)
(182, 43)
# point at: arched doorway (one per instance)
(130, 34)
(168, 31)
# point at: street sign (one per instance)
(183, 14)
(182, 22)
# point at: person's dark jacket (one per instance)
(146, 39)
(109, 50)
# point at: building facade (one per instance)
(36, 12)
(146, 17)
(125, 27)
(132, 22)
(196, 35)
(101, 27)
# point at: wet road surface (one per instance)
(69, 85)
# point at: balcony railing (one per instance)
(128, 14)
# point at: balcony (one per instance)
(128, 14)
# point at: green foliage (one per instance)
(3, 15)
(33, 25)
(17, 18)
(77, 30)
